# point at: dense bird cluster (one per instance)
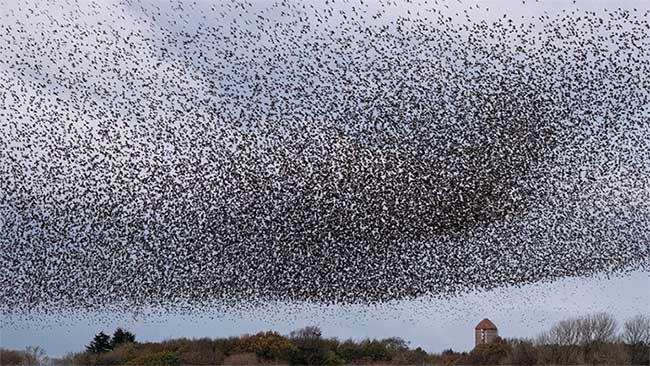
(158, 154)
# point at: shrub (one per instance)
(489, 353)
(164, 358)
(31, 356)
(241, 359)
(11, 357)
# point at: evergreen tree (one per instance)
(122, 336)
(100, 344)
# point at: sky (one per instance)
(431, 323)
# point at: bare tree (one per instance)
(34, 356)
(599, 327)
(636, 330)
(563, 333)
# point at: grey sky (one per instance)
(433, 324)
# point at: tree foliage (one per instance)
(31, 356)
(122, 336)
(101, 343)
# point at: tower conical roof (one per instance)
(486, 324)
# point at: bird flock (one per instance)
(166, 155)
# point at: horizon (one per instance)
(432, 332)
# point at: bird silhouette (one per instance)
(225, 155)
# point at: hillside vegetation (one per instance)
(595, 339)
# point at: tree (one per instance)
(31, 356)
(269, 346)
(312, 349)
(636, 330)
(416, 357)
(396, 344)
(489, 353)
(449, 357)
(306, 333)
(11, 357)
(554, 354)
(349, 350)
(34, 356)
(241, 359)
(163, 358)
(100, 344)
(122, 336)
(606, 353)
(523, 353)
(563, 333)
(636, 335)
(599, 327)
(374, 350)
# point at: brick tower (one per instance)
(485, 332)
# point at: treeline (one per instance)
(31, 356)
(305, 346)
(596, 339)
(587, 340)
